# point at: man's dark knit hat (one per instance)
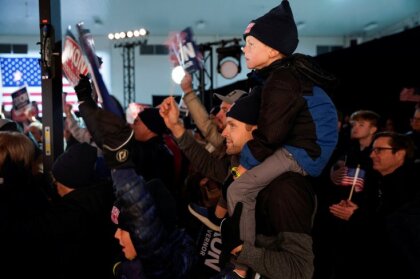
(246, 109)
(75, 168)
(276, 29)
(152, 119)
(8, 125)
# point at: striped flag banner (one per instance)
(18, 71)
(351, 175)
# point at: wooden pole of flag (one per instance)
(356, 175)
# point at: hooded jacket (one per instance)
(164, 250)
(295, 113)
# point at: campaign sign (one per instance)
(88, 47)
(20, 99)
(209, 249)
(183, 51)
(73, 62)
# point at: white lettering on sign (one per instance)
(188, 51)
(73, 62)
(214, 253)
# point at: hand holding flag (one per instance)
(344, 209)
(347, 176)
(353, 184)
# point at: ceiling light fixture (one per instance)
(98, 21)
(201, 24)
(300, 25)
(370, 26)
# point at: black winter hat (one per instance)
(246, 109)
(276, 29)
(75, 168)
(120, 217)
(8, 125)
(152, 119)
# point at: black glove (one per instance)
(83, 89)
(115, 137)
(230, 230)
(110, 133)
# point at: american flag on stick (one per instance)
(357, 179)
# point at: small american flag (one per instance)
(349, 177)
(15, 72)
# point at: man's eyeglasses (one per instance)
(378, 150)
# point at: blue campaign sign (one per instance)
(20, 100)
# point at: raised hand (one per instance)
(337, 173)
(186, 83)
(170, 113)
(83, 89)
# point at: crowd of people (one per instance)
(295, 192)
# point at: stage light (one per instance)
(128, 41)
(178, 74)
(129, 35)
(229, 68)
(229, 60)
(142, 32)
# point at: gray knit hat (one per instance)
(232, 96)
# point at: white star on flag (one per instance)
(17, 76)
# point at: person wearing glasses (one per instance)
(375, 221)
(333, 237)
(364, 125)
(415, 133)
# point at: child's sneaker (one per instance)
(206, 216)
